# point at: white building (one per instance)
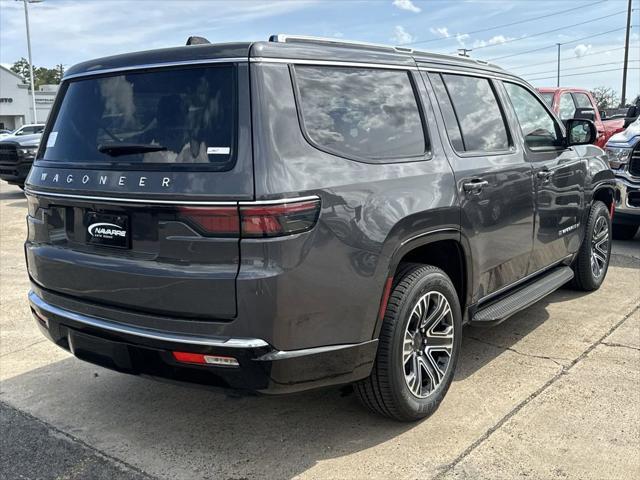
(16, 107)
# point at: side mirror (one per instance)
(581, 132)
(632, 112)
(586, 113)
(603, 114)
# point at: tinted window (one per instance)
(582, 100)
(481, 123)
(548, 98)
(567, 108)
(366, 113)
(187, 116)
(539, 129)
(450, 121)
(30, 130)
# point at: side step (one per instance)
(542, 286)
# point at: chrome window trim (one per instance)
(147, 66)
(40, 305)
(151, 201)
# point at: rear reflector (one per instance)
(249, 221)
(280, 219)
(200, 359)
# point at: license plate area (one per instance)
(109, 230)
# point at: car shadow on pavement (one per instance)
(11, 194)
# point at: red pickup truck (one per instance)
(578, 103)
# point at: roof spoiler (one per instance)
(193, 40)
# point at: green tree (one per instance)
(42, 75)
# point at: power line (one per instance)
(564, 27)
(506, 24)
(583, 73)
(607, 50)
(578, 68)
(555, 44)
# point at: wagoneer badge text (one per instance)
(84, 179)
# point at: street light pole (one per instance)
(33, 88)
(558, 80)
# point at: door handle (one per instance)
(474, 186)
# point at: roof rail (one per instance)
(284, 38)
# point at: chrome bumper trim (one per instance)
(41, 306)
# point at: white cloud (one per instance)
(581, 50)
(440, 31)
(406, 5)
(401, 36)
(461, 37)
(495, 40)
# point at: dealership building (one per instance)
(16, 107)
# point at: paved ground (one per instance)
(552, 393)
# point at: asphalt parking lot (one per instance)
(552, 393)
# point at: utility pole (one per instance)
(623, 99)
(464, 52)
(33, 88)
(558, 81)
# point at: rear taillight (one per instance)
(253, 220)
(281, 219)
(215, 221)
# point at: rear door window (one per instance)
(478, 114)
(364, 113)
(169, 116)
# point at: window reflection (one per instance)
(538, 126)
(368, 113)
(476, 107)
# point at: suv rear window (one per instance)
(365, 113)
(170, 116)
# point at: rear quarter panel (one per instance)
(325, 286)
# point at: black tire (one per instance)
(624, 232)
(587, 278)
(386, 391)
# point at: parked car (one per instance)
(16, 157)
(578, 103)
(286, 215)
(30, 129)
(5, 133)
(624, 157)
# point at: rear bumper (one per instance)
(144, 351)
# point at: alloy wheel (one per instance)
(428, 344)
(599, 246)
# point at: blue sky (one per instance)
(67, 32)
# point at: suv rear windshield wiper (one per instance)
(117, 149)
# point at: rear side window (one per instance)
(369, 114)
(476, 109)
(169, 116)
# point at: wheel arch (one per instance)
(444, 248)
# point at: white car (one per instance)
(28, 129)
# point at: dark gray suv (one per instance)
(286, 215)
